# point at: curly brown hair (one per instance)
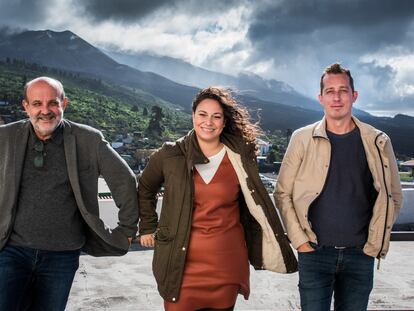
(236, 116)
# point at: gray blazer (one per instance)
(88, 156)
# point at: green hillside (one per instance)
(111, 108)
(150, 120)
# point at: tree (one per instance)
(155, 127)
(145, 112)
(271, 156)
(274, 154)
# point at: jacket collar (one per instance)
(193, 154)
(238, 145)
(320, 129)
(367, 131)
(191, 149)
(371, 134)
(56, 138)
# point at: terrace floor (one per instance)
(126, 283)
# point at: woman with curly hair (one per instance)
(216, 215)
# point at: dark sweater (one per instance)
(47, 215)
(341, 214)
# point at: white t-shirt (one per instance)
(208, 170)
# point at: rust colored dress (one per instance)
(217, 267)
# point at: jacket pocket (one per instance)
(162, 254)
(162, 235)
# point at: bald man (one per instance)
(49, 169)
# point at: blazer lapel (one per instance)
(20, 144)
(69, 142)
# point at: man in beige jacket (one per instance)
(339, 194)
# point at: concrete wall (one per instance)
(406, 215)
(109, 212)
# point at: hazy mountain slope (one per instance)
(68, 51)
(245, 83)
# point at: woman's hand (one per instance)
(147, 240)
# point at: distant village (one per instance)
(137, 158)
(127, 145)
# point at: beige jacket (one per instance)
(303, 173)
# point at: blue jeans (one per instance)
(346, 273)
(35, 280)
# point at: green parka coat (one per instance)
(172, 166)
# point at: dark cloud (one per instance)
(6, 31)
(382, 75)
(401, 104)
(307, 17)
(23, 13)
(377, 88)
(123, 10)
(330, 26)
(299, 38)
(128, 11)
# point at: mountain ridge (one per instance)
(245, 83)
(68, 51)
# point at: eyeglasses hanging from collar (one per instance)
(39, 159)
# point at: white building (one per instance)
(264, 146)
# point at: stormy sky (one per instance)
(287, 40)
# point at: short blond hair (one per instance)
(336, 68)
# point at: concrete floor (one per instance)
(126, 283)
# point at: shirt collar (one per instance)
(57, 135)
